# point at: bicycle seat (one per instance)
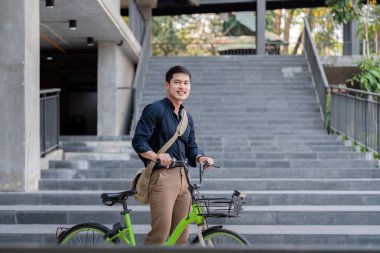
(110, 199)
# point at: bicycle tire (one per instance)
(85, 234)
(222, 238)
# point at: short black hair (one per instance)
(176, 69)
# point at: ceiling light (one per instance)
(73, 24)
(90, 41)
(49, 4)
(49, 56)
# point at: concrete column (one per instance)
(146, 7)
(115, 77)
(19, 95)
(136, 20)
(351, 41)
(260, 26)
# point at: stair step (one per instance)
(221, 184)
(341, 235)
(240, 163)
(70, 156)
(219, 173)
(254, 215)
(268, 198)
(95, 144)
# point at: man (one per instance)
(169, 197)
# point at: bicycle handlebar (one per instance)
(185, 165)
(201, 166)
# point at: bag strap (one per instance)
(181, 128)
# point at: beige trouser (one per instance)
(170, 202)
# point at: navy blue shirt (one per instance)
(157, 125)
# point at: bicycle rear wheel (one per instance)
(223, 238)
(85, 234)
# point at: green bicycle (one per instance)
(92, 234)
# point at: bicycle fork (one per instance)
(200, 229)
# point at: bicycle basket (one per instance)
(222, 207)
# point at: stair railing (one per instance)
(355, 114)
(317, 72)
(49, 120)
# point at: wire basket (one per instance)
(221, 207)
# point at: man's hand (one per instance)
(205, 159)
(165, 159)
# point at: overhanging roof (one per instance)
(94, 19)
(178, 7)
(172, 7)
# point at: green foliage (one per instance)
(165, 39)
(369, 76)
(185, 34)
(324, 32)
(269, 21)
(369, 25)
(345, 11)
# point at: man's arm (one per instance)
(144, 131)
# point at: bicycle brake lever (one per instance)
(209, 165)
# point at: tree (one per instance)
(165, 39)
(277, 22)
(288, 21)
(324, 31)
(185, 34)
(346, 11)
(367, 15)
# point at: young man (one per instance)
(169, 197)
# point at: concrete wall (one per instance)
(115, 77)
(19, 95)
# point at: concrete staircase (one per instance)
(258, 117)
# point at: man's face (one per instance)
(179, 87)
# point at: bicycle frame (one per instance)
(195, 216)
(127, 230)
(128, 237)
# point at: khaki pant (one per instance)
(170, 202)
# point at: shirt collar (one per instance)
(169, 103)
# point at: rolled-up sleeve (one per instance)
(192, 149)
(145, 129)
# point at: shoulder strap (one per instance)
(181, 128)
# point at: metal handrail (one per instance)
(49, 120)
(356, 115)
(50, 91)
(318, 74)
(355, 90)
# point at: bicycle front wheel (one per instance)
(222, 238)
(85, 234)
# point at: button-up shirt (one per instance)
(157, 125)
